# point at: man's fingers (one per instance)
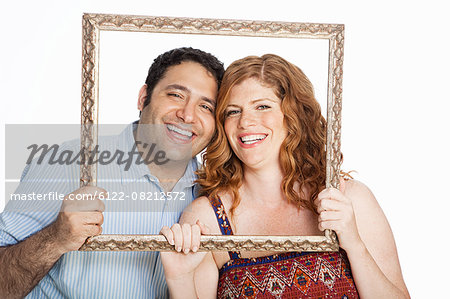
(94, 218)
(100, 206)
(83, 205)
(93, 230)
(87, 198)
(93, 191)
(91, 205)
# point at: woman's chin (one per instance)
(256, 163)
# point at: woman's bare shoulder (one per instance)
(361, 195)
(367, 209)
(354, 186)
(371, 220)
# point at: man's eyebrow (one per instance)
(178, 86)
(211, 101)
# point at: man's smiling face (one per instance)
(180, 114)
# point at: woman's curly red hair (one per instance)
(303, 153)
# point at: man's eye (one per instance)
(176, 95)
(204, 106)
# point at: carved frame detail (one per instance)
(93, 24)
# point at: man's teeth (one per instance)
(188, 134)
(250, 139)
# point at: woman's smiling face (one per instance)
(254, 123)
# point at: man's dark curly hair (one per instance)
(177, 56)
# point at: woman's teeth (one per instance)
(250, 139)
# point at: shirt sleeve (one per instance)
(36, 201)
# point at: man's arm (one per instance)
(26, 263)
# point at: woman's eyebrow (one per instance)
(254, 101)
(264, 99)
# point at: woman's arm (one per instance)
(190, 274)
(199, 283)
(364, 233)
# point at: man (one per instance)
(38, 253)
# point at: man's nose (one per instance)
(187, 112)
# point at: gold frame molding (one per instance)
(93, 24)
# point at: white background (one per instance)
(396, 98)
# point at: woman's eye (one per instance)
(262, 107)
(231, 112)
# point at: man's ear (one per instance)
(142, 97)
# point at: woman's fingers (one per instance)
(331, 193)
(167, 232)
(328, 205)
(187, 236)
(184, 237)
(329, 215)
(177, 236)
(334, 220)
(330, 224)
(336, 213)
(203, 228)
(195, 237)
(332, 199)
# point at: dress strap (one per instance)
(224, 223)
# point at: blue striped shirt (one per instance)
(100, 274)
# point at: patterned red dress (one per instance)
(284, 275)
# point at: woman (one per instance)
(264, 174)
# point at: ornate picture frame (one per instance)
(94, 24)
